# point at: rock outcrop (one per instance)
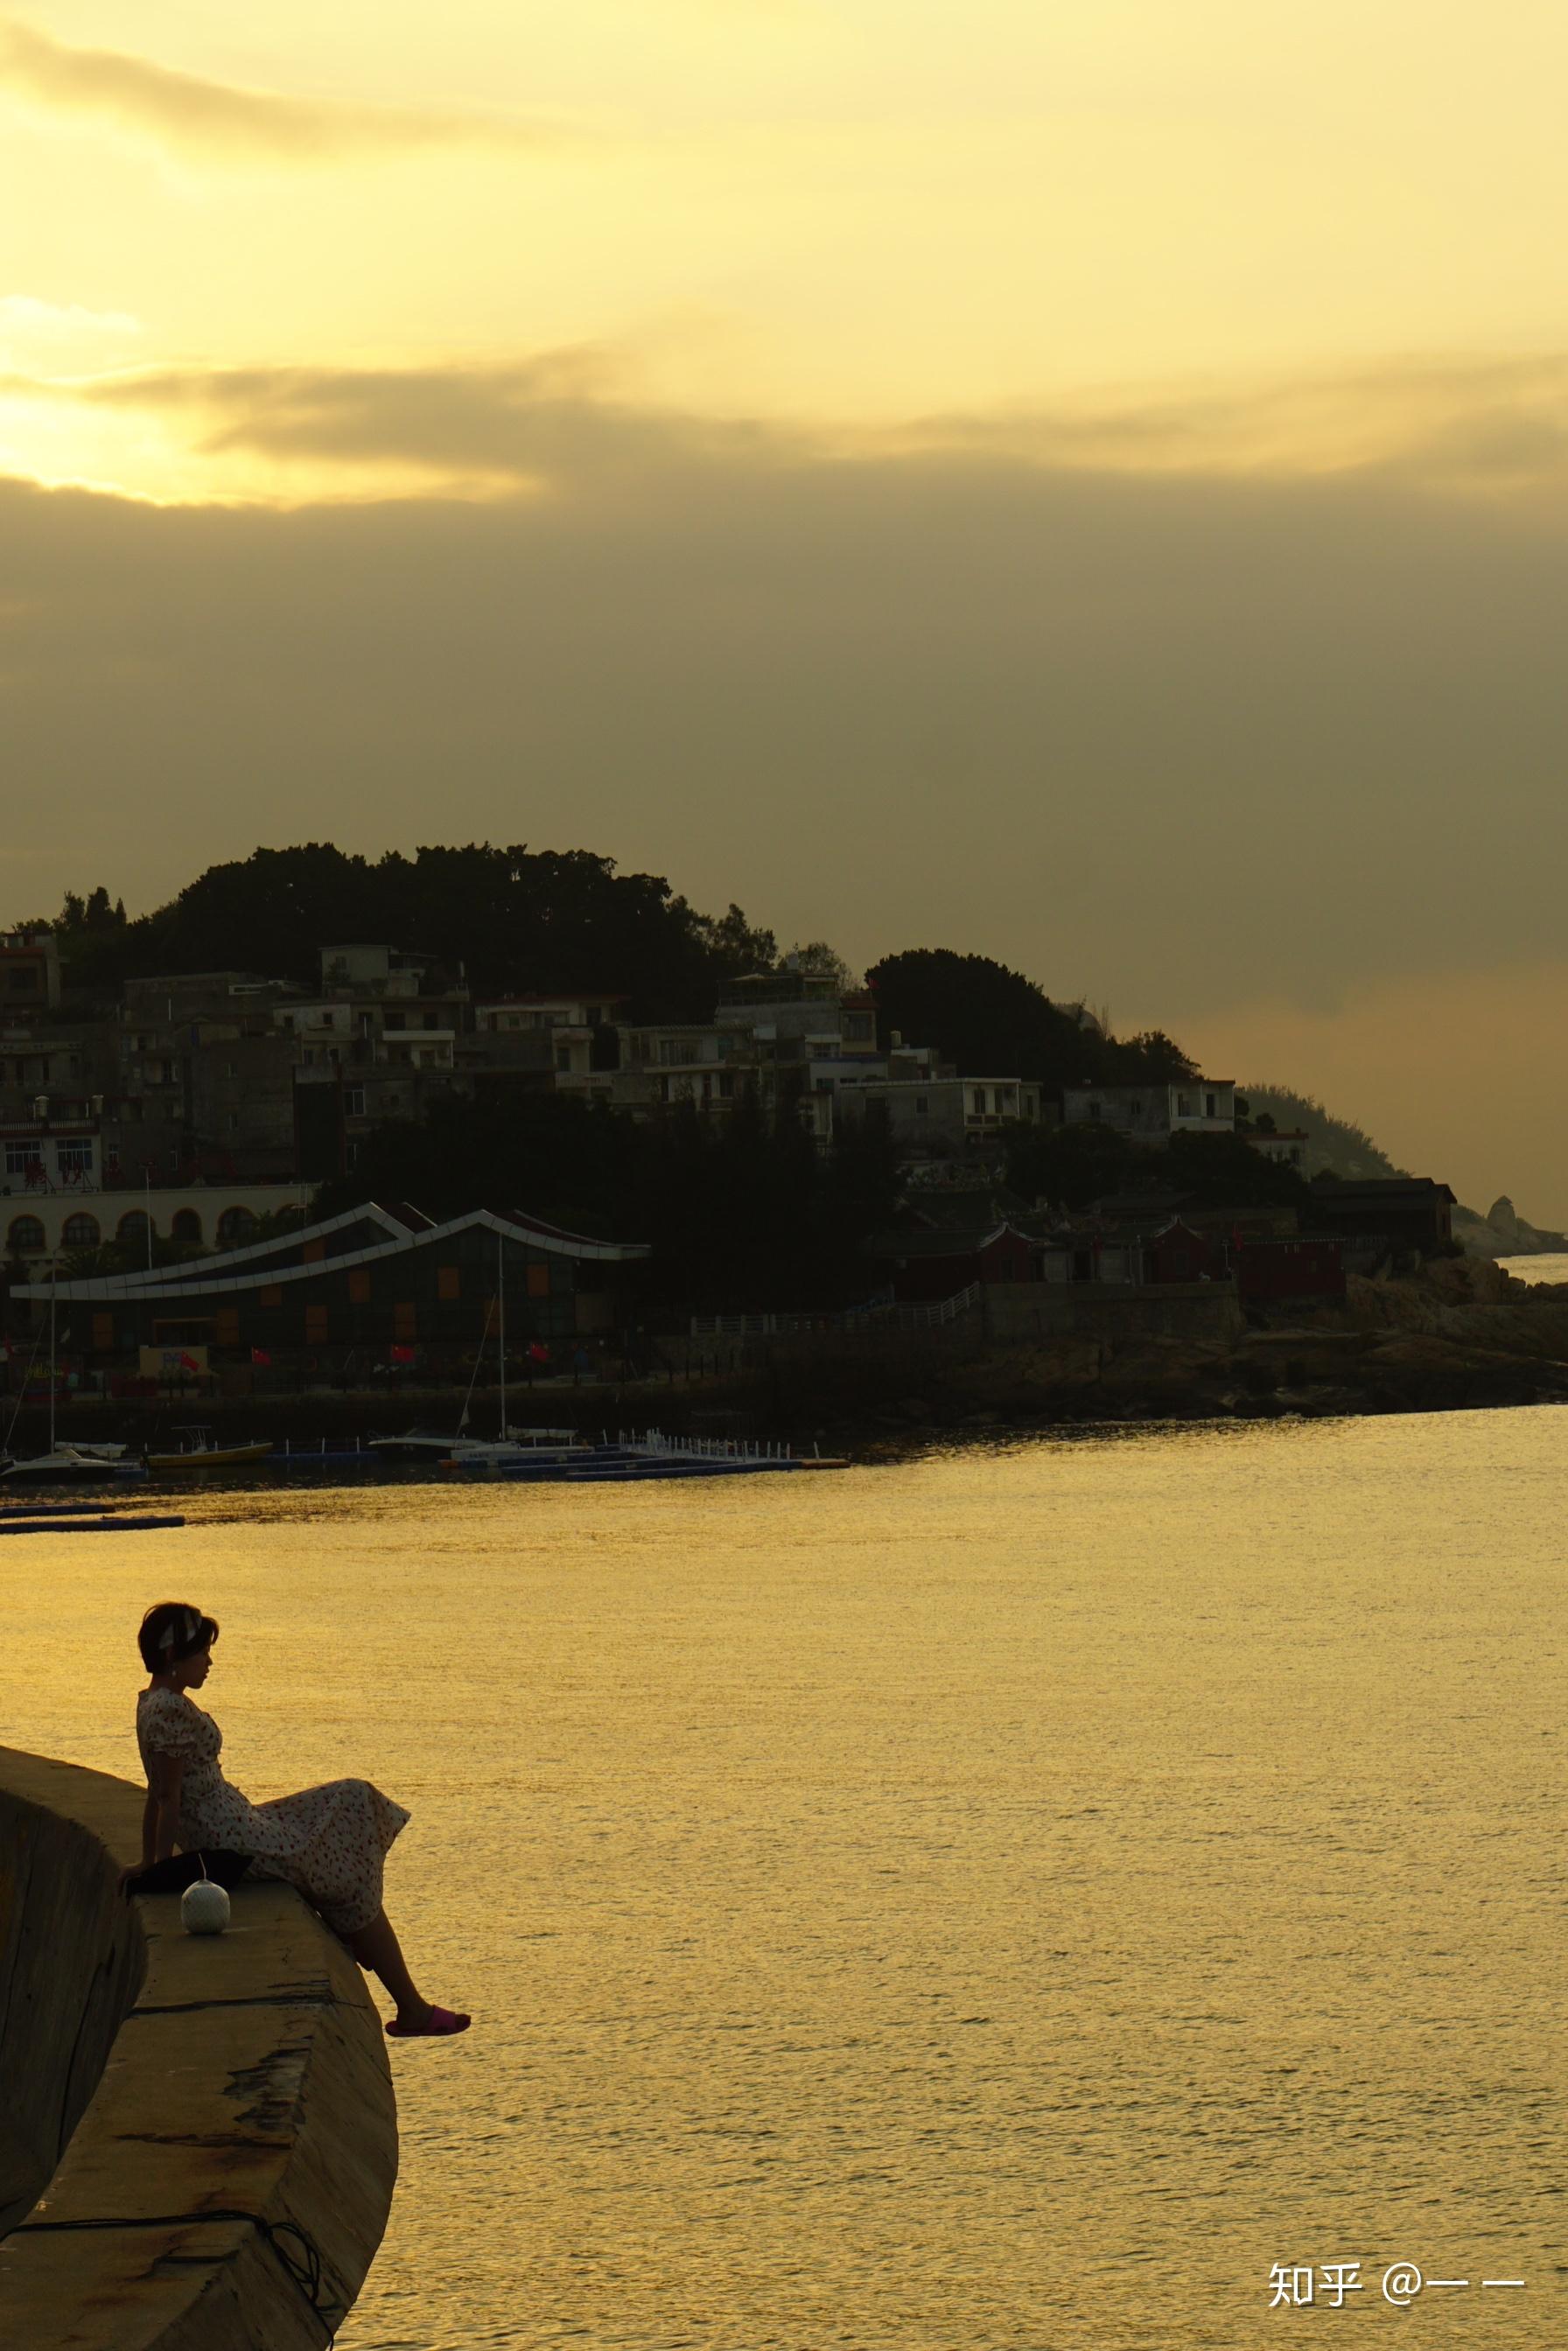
(1502, 1232)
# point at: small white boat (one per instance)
(63, 1465)
(422, 1445)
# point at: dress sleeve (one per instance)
(167, 1728)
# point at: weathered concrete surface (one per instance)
(151, 2078)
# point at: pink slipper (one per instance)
(441, 2020)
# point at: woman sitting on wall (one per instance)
(329, 1841)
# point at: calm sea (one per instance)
(1007, 1900)
(1553, 1268)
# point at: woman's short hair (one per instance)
(171, 1631)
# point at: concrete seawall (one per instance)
(198, 2139)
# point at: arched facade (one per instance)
(26, 1237)
(187, 1227)
(236, 1225)
(132, 1226)
(80, 1231)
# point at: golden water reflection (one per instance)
(981, 1905)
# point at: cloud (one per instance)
(570, 418)
(215, 120)
(1453, 419)
(1150, 737)
(54, 335)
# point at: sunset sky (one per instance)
(1085, 486)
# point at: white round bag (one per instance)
(204, 1907)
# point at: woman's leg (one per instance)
(377, 1947)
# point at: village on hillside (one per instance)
(192, 1179)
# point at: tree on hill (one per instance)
(992, 1021)
(519, 921)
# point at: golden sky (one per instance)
(1080, 485)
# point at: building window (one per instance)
(22, 1159)
(74, 1159)
(315, 1325)
(448, 1281)
(27, 1237)
(354, 1101)
(922, 1105)
(103, 1334)
(1211, 1106)
(231, 1068)
(980, 1101)
(360, 1285)
(236, 1225)
(269, 1294)
(563, 1057)
(1096, 1110)
(405, 1322)
(132, 1226)
(1184, 1105)
(80, 1231)
(539, 1282)
(226, 1326)
(187, 1227)
(314, 1252)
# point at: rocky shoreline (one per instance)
(1457, 1336)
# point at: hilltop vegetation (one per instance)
(524, 922)
(1333, 1143)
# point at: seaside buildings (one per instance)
(159, 1158)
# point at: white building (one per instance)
(37, 1229)
(1156, 1109)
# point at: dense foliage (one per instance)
(993, 1022)
(1069, 1166)
(515, 921)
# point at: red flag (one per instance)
(260, 1356)
(189, 1364)
(402, 1355)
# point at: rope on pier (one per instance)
(303, 2266)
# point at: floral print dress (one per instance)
(331, 1841)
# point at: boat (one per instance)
(523, 1451)
(68, 1465)
(202, 1457)
(63, 1464)
(422, 1445)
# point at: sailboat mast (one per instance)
(501, 1295)
(54, 1277)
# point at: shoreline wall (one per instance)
(198, 2139)
(72, 1961)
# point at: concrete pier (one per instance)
(198, 2139)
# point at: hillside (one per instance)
(1333, 1143)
